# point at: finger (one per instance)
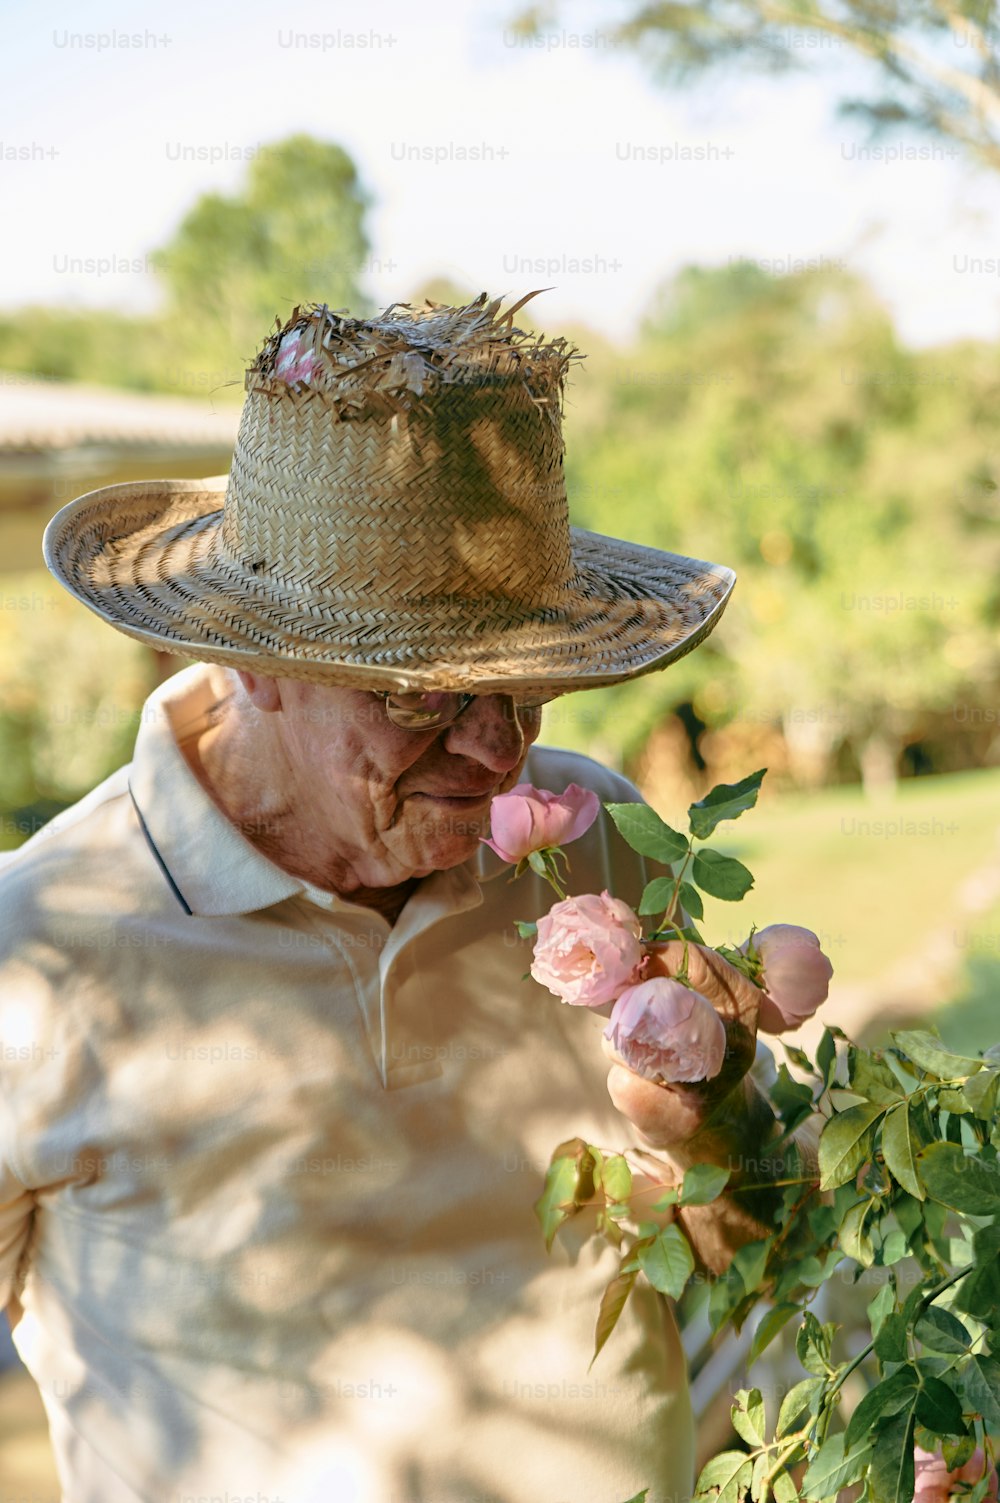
(664, 1115)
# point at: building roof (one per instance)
(38, 416)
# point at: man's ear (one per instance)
(263, 692)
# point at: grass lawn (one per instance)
(870, 879)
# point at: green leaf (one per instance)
(927, 1051)
(703, 1183)
(938, 1407)
(872, 1077)
(981, 1093)
(853, 1237)
(645, 832)
(690, 900)
(940, 1331)
(729, 1472)
(616, 1177)
(784, 1488)
(721, 876)
(537, 863)
(887, 1397)
(955, 1180)
(845, 1144)
(724, 801)
(826, 1056)
(980, 1383)
(898, 1149)
(656, 895)
(890, 1343)
(894, 1248)
(612, 1304)
(831, 1469)
(639, 1497)
(556, 1202)
(979, 1294)
(791, 1098)
(525, 929)
(796, 1401)
(668, 1262)
(769, 1327)
(759, 1487)
(890, 1479)
(813, 1343)
(881, 1306)
(751, 1260)
(748, 1417)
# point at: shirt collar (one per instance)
(213, 869)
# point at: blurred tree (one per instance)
(776, 425)
(293, 235)
(935, 61)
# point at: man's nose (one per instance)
(490, 730)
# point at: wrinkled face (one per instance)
(395, 803)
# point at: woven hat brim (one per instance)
(145, 557)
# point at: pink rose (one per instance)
(588, 949)
(530, 819)
(293, 363)
(933, 1483)
(796, 975)
(665, 1031)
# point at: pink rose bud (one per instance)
(796, 975)
(530, 819)
(665, 1031)
(933, 1483)
(588, 949)
(293, 363)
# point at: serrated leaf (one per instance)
(845, 1144)
(938, 1407)
(556, 1202)
(724, 801)
(894, 1248)
(886, 1398)
(980, 1383)
(769, 1327)
(883, 1304)
(747, 1415)
(643, 829)
(926, 1050)
(616, 1177)
(890, 1343)
(726, 1473)
(853, 1237)
(721, 876)
(703, 1183)
(613, 1302)
(955, 1180)
(784, 1488)
(890, 1479)
(668, 1262)
(940, 1331)
(899, 1148)
(981, 1093)
(832, 1469)
(656, 895)
(872, 1077)
(826, 1056)
(751, 1260)
(796, 1401)
(690, 900)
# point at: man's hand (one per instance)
(672, 1116)
(722, 1121)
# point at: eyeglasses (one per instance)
(431, 711)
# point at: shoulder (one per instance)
(553, 768)
(73, 864)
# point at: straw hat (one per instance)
(395, 517)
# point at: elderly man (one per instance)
(276, 1093)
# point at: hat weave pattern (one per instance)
(395, 517)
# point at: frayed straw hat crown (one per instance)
(395, 517)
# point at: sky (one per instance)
(500, 165)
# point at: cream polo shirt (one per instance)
(267, 1169)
